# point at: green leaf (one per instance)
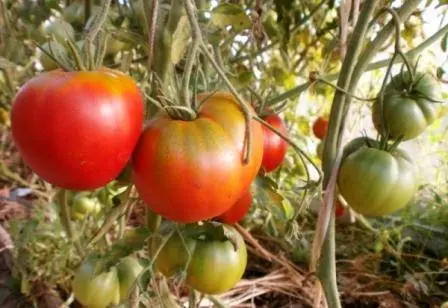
(227, 14)
(444, 43)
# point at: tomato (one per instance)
(59, 28)
(375, 182)
(215, 265)
(93, 289)
(128, 270)
(83, 206)
(193, 170)
(77, 130)
(339, 210)
(320, 127)
(237, 211)
(407, 113)
(274, 148)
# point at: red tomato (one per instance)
(274, 150)
(320, 127)
(238, 210)
(77, 130)
(339, 209)
(193, 170)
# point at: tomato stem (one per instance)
(98, 22)
(88, 4)
(190, 6)
(64, 215)
(152, 25)
(321, 79)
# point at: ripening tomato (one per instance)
(274, 149)
(375, 182)
(77, 130)
(237, 211)
(215, 265)
(320, 127)
(407, 113)
(193, 170)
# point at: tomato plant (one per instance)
(237, 211)
(407, 106)
(128, 270)
(376, 182)
(77, 130)
(93, 289)
(274, 147)
(320, 127)
(193, 170)
(215, 265)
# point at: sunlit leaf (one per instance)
(227, 14)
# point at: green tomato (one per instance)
(128, 271)
(83, 206)
(96, 290)
(375, 182)
(47, 63)
(215, 265)
(61, 30)
(407, 113)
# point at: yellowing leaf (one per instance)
(227, 14)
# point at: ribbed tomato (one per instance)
(77, 130)
(275, 148)
(407, 113)
(193, 170)
(238, 210)
(375, 182)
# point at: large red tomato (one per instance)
(238, 210)
(77, 130)
(193, 170)
(274, 147)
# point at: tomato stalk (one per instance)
(152, 25)
(88, 4)
(64, 215)
(327, 263)
(190, 8)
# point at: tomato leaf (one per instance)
(233, 15)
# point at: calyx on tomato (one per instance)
(215, 265)
(375, 182)
(189, 171)
(407, 106)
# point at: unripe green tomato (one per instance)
(96, 290)
(83, 205)
(128, 271)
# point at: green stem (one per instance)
(152, 26)
(88, 4)
(94, 30)
(64, 215)
(337, 88)
(153, 220)
(327, 264)
(191, 57)
(247, 114)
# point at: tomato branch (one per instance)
(152, 25)
(327, 265)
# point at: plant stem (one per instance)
(94, 30)
(189, 6)
(191, 57)
(152, 25)
(88, 4)
(153, 220)
(64, 215)
(327, 265)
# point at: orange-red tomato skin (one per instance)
(193, 170)
(77, 130)
(274, 148)
(237, 212)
